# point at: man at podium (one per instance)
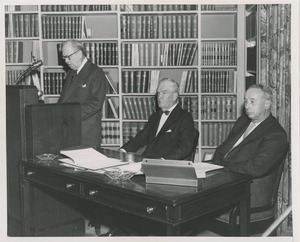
(86, 84)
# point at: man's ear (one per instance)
(268, 104)
(176, 95)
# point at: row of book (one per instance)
(131, 129)
(218, 7)
(138, 107)
(157, 7)
(110, 133)
(12, 75)
(218, 53)
(64, 27)
(158, 54)
(214, 133)
(218, 107)
(190, 104)
(148, 26)
(100, 53)
(21, 25)
(142, 107)
(219, 81)
(180, 26)
(53, 82)
(189, 81)
(110, 109)
(72, 7)
(13, 8)
(146, 81)
(14, 52)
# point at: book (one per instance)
(88, 158)
(111, 83)
(112, 107)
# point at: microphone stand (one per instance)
(22, 75)
(34, 65)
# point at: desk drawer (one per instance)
(51, 180)
(127, 203)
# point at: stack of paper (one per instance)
(89, 158)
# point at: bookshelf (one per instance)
(202, 47)
(252, 39)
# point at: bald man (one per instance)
(85, 83)
(257, 143)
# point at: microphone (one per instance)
(36, 64)
(33, 66)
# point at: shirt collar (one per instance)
(82, 64)
(171, 108)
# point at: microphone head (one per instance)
(37, 64)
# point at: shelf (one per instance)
(18, 64)
(216, 28)
(217, 120)
(22, 12)
(212, 12)
(175, 40)
(83, 13)
(218, 94)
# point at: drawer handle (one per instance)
(69, 185)
(92, 192)
(29, 173)
(150, 209)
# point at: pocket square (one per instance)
(169, 131)
(84, 85)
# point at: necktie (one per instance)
(74, 74)
(165, 112)
(247, 132)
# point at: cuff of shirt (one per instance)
(122, 150)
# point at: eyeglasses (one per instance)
(68, 57)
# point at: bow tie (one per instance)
(165, 112)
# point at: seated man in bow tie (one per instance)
(257, 142)
(169, 132)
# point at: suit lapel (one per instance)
(174, 116)
(257, 132)
(75, 80)
(154, 125)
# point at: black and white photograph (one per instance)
(150, 120)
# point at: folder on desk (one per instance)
(175, 172)
(89, 158)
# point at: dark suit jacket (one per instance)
(259, 154)
(174, 140)
(88, 88)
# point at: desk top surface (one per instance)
(215, 181)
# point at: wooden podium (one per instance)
(32, 129)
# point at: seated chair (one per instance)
(192, 154)
(263, 205)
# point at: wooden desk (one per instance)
(168, 206)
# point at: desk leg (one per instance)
(245, 217)
(172, 231)
(25, 201)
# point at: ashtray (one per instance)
(119, 175)
(45, 157)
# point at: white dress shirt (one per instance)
(164, 118)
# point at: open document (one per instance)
(202, 168)
(89, 158)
